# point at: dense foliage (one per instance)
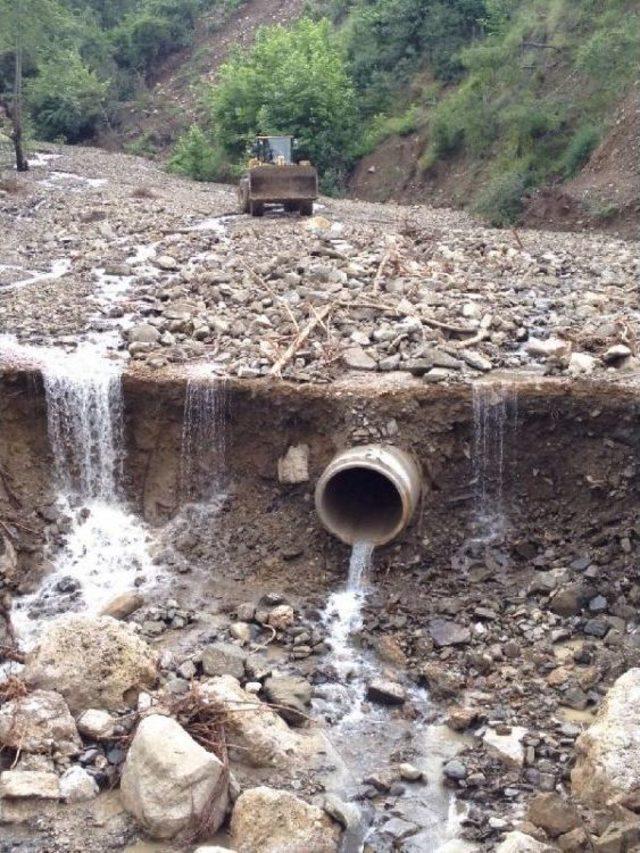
(538, 90)
(83, 57)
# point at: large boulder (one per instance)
(39, 722)
(265, 820)
(608, 765)
(93, 662)
(169, 781)
(260, 737)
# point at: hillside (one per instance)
(169, 103)
(521, 112)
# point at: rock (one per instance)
(386, 692)
(551, 348)
(616, 354)
(619, 837)
(39, 722)
(447, 633)
(460, 718)
(293, 467)
(389, 650)
(291, 696)
(355, 358)
(76, 785)
(240, 631)
(223, 659)
(261, 736)
(410, 773)
(123, 605)
(245, 612)
(265, 820)
(475, 360)
(281, 617)
(575, 841)
(440, 359)
(553, 814)
(455, 769)
(19, 784)
(508, 748)
(346, 814)
(144, 333)
(93, 662)
(96, 724)
(518, 842)
(166, 262)
(581, 363)
(608, 753)
(443, 683)
(168, 780)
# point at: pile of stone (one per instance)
(313, 302)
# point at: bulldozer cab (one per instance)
(273, 149)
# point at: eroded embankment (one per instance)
(512, 597)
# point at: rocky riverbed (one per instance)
(153, 267)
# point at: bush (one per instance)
(381, 127)
(195, 157)
(578, 151)
(501, 201)
(66, 99)
(293, 81)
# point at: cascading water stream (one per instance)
(204, 433)
(343, 613)
(106, 547)
(495, 421)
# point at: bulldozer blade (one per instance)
(281, 184)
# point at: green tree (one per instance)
(292, 81)
(27, 27)
(65, 98)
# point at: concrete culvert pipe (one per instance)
(368, 493)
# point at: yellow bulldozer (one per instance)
(273, 178)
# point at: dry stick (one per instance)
(383, 263)
(271, 291)
(518, 240)
(293, 348)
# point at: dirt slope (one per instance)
(171, 102)
(605, 195)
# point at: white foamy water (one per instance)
(106, 547)
(343, 617)
(85, 421)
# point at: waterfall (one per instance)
(204, 437)
(495, 421)
(85, 424)
(106, 547)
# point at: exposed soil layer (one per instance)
(554, 463)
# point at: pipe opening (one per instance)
(360, 504)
